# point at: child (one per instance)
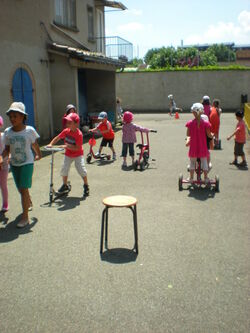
(19, 139)
(69, 109)
(240, 139)
(210, 142)
(129, 136)
(73, 140)
(4, 170)
(197, 141)
(206, 105)
(214, 118)
(119, 110)
(172, 105)
(107, 132)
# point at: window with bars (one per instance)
(65, 13)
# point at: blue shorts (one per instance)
(22, 175)
(125, 147)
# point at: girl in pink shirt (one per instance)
(206, 105)
(129, 136)
(4, 169)
(197, 132)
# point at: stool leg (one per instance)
(102, 230)
(136, 230)
(133, 209)
(106, 228)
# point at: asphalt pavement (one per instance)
(192, 271)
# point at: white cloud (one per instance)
(130, 27)
(224, 32)
(244, 20)
(134, 12)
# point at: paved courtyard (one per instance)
(192, 271)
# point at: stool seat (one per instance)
(119, 201)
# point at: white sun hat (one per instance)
(17, 107)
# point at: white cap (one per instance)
(170, 96)
(197, 107)
(17, 107)
(69, 107)
(102, 115)
(206, 98)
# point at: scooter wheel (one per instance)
(180, 182)
(217, 184)
(89, 157)
(219, 144)
(135, 165)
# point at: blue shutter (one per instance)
(23, 92)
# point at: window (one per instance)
(65, 13)
(90, 23)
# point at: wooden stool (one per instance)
(118, 201)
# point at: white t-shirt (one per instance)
(20, 145)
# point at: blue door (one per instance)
(23, 92)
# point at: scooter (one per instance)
(199, 182)
(53, 195)
(144, 154)
(92, 143)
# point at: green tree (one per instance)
(135, 62)
(149, 55)
(208, 58)
(223, 52)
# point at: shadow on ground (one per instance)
(63, 203)
(119, 255)
(10, 232)
(201, 194)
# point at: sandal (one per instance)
(22, 223)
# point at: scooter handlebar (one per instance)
(153, 131)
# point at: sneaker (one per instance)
(85, 190)
(210, 166)
(22, 223)
(124, 164)
(234, 162)
(63, 189)
(242, 164)
(97, 154)
(114, 156)
(4, 210)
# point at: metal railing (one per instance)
(116, 47)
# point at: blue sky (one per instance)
(156, 23)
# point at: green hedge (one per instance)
(200, 68)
